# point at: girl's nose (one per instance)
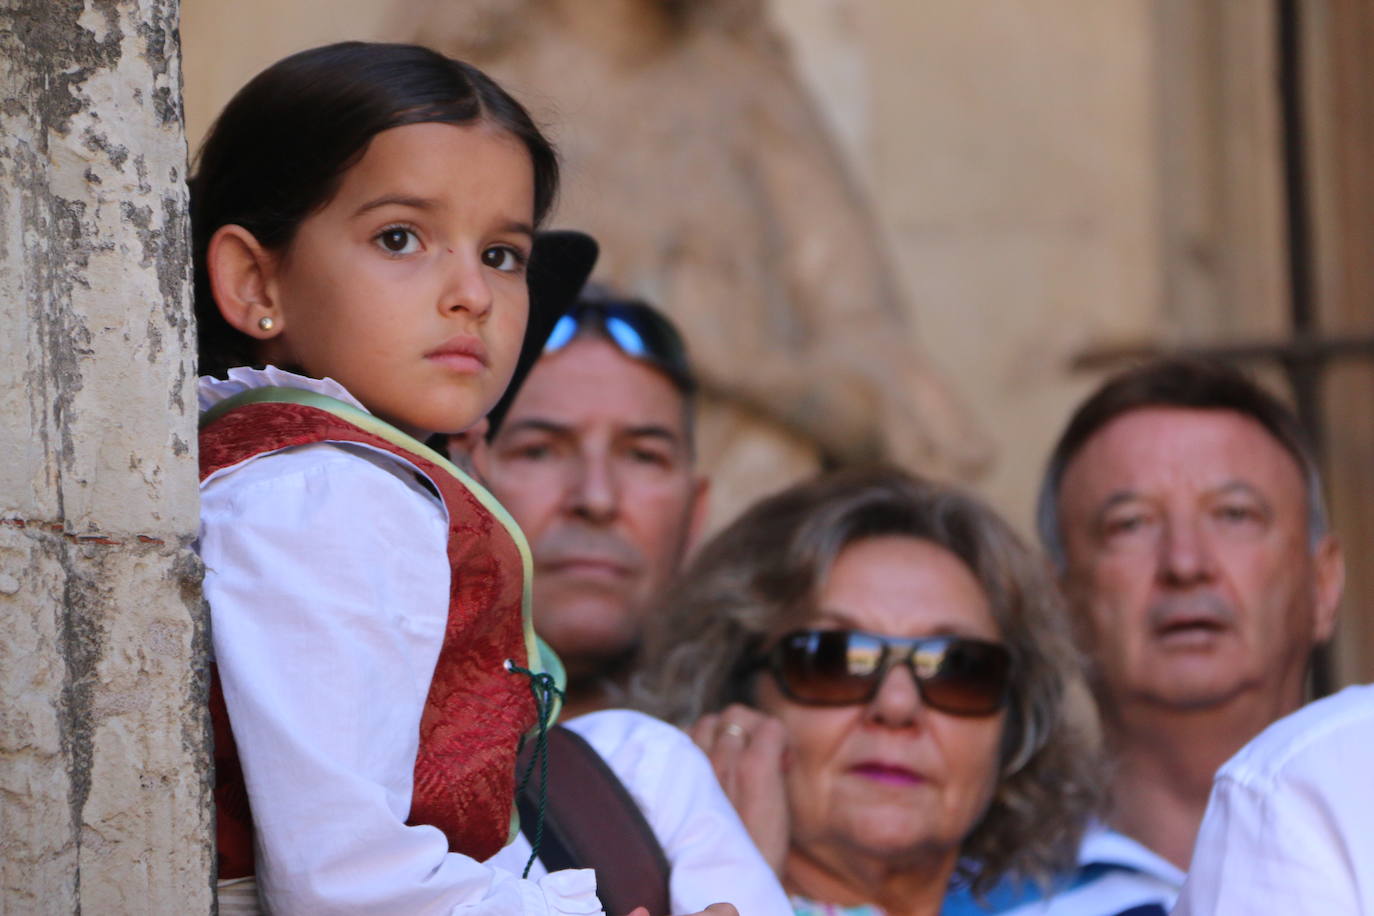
(466, 287)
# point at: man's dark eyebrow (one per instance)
(542, 424)
(654, 431)
(1116, 498)
(1235, 484)
(533, 424)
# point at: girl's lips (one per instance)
(459, 362)
(887, 773)
(462, 353)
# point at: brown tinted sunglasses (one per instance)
(954, 674)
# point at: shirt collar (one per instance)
(212, 390)
(1103, 846)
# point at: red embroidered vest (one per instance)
(476, 710)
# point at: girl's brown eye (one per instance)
(396, 240)
(503, 258)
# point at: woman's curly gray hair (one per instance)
(759, 577)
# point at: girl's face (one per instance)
(408, 287)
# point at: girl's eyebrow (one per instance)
(400, 200)
(515, 227)
(518, 228)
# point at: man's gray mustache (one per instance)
(575, 542)
(1204, 607)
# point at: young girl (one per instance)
(363, 219)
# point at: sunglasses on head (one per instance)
(954, 674)
(635, 329)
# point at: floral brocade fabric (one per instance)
(476, 711)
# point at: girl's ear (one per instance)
(240, 273)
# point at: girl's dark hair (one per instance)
(278, 151)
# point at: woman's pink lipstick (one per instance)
(888, 774)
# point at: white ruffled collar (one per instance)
(212, 390)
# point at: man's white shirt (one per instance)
(1115, 875)
(1290, 825)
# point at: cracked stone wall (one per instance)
(104, 745)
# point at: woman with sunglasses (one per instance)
(878, 669)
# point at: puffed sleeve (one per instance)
(328, 584)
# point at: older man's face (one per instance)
(594, 464)
(1189, 562)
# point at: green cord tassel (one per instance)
(545, 691)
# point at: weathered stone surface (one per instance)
(104, 763)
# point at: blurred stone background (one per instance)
(925, 230)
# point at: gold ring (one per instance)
(735, 730)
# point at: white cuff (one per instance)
(571, 892)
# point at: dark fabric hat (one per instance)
(560, 263)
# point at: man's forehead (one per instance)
(590, 382)
(1160, 449)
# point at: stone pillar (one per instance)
(104, 744)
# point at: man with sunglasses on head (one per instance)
(1183, 513)
(593, 457)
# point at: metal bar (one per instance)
(1305, 375)
(1301, 349)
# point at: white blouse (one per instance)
(328, 583)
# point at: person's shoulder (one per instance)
(211, 390)
(1115, 874)
(339, 463)
(643, 752)
(330, 466)
(612, 731)
(1307, 737)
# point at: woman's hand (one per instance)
(715, 909)
(747, 751)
